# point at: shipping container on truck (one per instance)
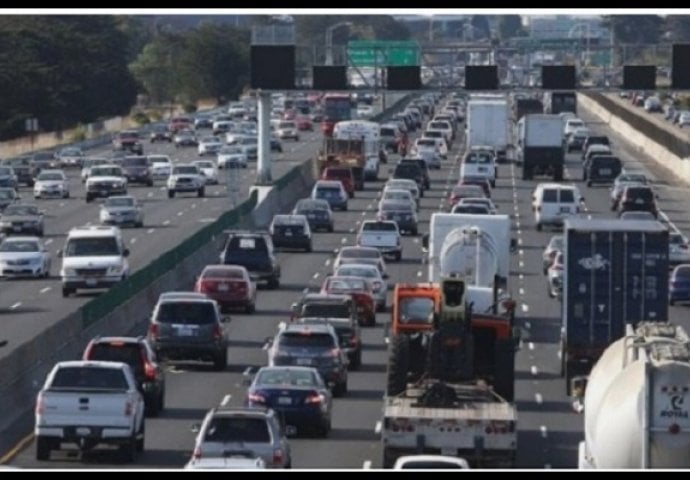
(524, 106)
(616, 273)
(558, 102)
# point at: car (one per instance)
(237, 109)
(679, 248)
(7, 177)
(343, 175)
(390, 136)
(249, 145)
(287, 129)
(423, 166)
(229, 285)
(314, 346)
(137, 170)
(318, 213)
(128, 140)
(471, 208)
(577, 139)
(554, 276)
(160, 166)
(331, 191)
(478, 180)
(276, 144)
(371, 274)
(70, 157)
(186, 178)
(255, 252)
(42, 161)
(439, 137)
(361, 292)
(679, 284)
(593, 139)
(348, 333)
(367, 255)
(8, 196)
(189, 326)
(571, 125)
(22, 218)
(304, 123)
(208, 170)
(683, 118)
(479, 162)
(601, 169)
(203, 120)
(291, 231)
(625, 179)
(404, 184)
(445, 127)
(461, 191)
(231, 156)
(552, 203)
(256, 430)
(401, 212)
(24, 257)
(209, 145)
(383, 235)
(298, 394)
(596, 149)
(51, 184)
(89, 162)
(178, 123)
(410, 171)
(139, 355)
(122, 210)
(160, 133)
(492, 208)
(22, 170)
(231, 460)
(94, 257)
(185, 138)
(398, 195)
(556, 244)
(104, 181)
(430, 462)
(638, 198)
(653, 104)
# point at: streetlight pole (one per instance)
(329, 40)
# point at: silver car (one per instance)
(24, 257)
(678, 248)
(366, 255)
(555, 277)
(370, 273)
(248, 429)
(122, 210)
(555, 245)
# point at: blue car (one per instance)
(298, 394)
(679, 284)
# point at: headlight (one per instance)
(115, 269)
(67, 272)
(117, 185)
(35, 260)
(5, 224)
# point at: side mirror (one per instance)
(425, 242)
(294, 307)
(125, 252)
(59, 253)
(385, 275)
(226, 319)
(196, 428)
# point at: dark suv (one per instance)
(410, 171)
(255, 252)
(638, 198)
(349, 336)
(137, 170)
(601, 169)
(138, 354)
(423, 167)
(189, 326)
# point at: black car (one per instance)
(160, 133)
(594, 140)
(22, 170)
(601, 169)
(318, 213)
(348, 332)
(638, 198)
(423, 166)
(254, 251)
(138, 354)
(410, 171)
(291, 231)
(42, 161)
(137, 170)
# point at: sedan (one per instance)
(678, 248)
(229, 285)
(121, 210)
(361, 292)
(368, 255)
(208, 170)
(318, 213)
(371, 274)
(209, 145)
(70, 157)
(555, 277)
(161, 166)
(231, 156)
(625, 180)
(51, 184)
(7, 177)
(22, 218)
(555, 245)
(24, 257)
(185, 138)
(298, 394)
(304, 123)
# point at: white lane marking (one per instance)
(343, 240)
(265, 346)
(179, 214)
(366, 465)
(16, 305)
(134, 240)
(538, 398)
(226, 400)
(544, 432)
(521, 291)
(377, 427)
(521, 276)
(419, 273)
(193, 205)
(167, 222)
(530, 345)
(519, 241)
(150, 230)
(522, 264)
(327, 262)
(88, 224)
(534, 370)
(547, 466)
(150, 194)
(247, 371)
(205, 200)
(49, 241)
(62, 204)
(46, 289)
(521, 252)
(519, 232)
(364, 214)
(352, 230)
(525, 307)
(528, 325)
(315, 276)
(161, 188)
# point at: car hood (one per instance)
(20, 218)
(4, 256)
(92, 262)
(49, 183)
(105, 180)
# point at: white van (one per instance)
(552, 203)
(479, 161)
(94, 257)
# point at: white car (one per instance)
(404, 184)
(237, 109)
(24, 257)
(231, 155)
(571, 125)
(443, 126)
(208, 170)
(480, 201)
(399, 195)
(51, 184)
(371, 274)
(161, 166)
(678, 248)
(287, 129)
(209, 145)
(186, 178)
(87, 163)
(120, 210)
(368, 255)
(430, 462)
(439, 137)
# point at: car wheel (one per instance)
(273, 283)
(324, 429)
(398, 256)
(149, 183)
(66, 195)
(88, 198)
(221, 361)
(66, 291)
(201, 192)
(671, 301)
(538, 227)
(171, 193)
(330, 229)
(42, 448)
(340, 389)
(356, 363)
(250, 308)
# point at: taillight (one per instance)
(87, 352)
(557, 267)
(40, 404)
(538, 208)
(683, 246)
(377, 286)
(153, 330)
(149, 371)
(129, 409)
(196, 455)
(217, 332)
(313, 398)
(552, 254)
(202, 286)
(277, 457)
(256, 398)
(354, 341)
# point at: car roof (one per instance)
(173, 296)
(94, 231)
(128, 340)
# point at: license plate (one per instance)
(303, 361)
(565, 209)
(223, 287)
(604, 171)
(450, 452)
(639, 201)
(91, 282)
(185, 332)
(83, 431)
(284, 401)
(288, 233)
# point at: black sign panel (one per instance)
(329, 77)
(404, 78)
(639, 77)
(481, 77)
(558, 77)
(273, 67)
(680, 73)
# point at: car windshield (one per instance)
(181, 170)
(20, 210)
(181, 312)
(330, 309)
(129, 353)
(5, 171)
(306, 338)
(106, 172)
(83, 378)
(426, 143)
(416, 310)
(91, 247)
(230, 151)
(135, 162)
(360, 253)
(160, 159)
(328, 192)
(19, 246)
(676, 239)
(350, 271)
(298, 378)
(343, 285)
(49, 176)
(119, 202)
(379, 227)
(396, 207)
(633, 178)
(242, 429)
(205, 164)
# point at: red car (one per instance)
(361, 292)
(344, 175)
(480, 181)
(229, 285)
(461, 191)
(180, 123)
(304, 123)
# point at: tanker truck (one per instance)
(636, 403)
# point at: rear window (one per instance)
(643, 193)
(129, 353)
(311, 339)
(237, 430)
(416, 310)
(360, 253)
(326, 310)
(88, 378)
(196, 313)
(478, 158)
(222, 273)
(610, 162)
(289, 229)
(407, 170)
(550, 195)
(567, 196)
(378, 226)
(339, 173)
(135, 162)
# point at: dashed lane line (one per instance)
(534, 370)
(45, 289)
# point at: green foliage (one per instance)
(641, 29)
(510, 26)
(189, 108)
(141, 118)
(79, 134)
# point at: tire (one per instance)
(88, 198)
(171, 193)
(398, 256)
(66, 195)
(141, 441)
(356, 363)
(558, 174)
(221, 361)
(66, 292)
(340, 390)
(128, 450)
(671, 301)
(589, 184)
(250, 308)
(538, 227)
(201, 192)
(330, 229)
(42, 448)
(504, 370)
(309, 248)
(414, 232)
(139, 225)
(549, 291)
(161, 401)
(324, 429)
(345, 208)
(398, 365)
(149, 183)
(152, 407)
(273, 283)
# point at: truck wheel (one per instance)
(128, 450)
(538, 227)
(142, 436)
(273, 283)
(201, 192)
(504, 373)
(398, 364)
(42, 448)
(356, 362)
(171, 193)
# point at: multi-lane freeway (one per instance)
(549, 430)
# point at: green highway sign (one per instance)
(368, 53)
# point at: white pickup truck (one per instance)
(90, 403)
(382, 235)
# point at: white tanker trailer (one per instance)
(637, 402)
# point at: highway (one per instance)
(548, 428)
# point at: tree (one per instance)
(510, 26)
(678, 28)
(155, 67)
(481, 26)
(640, 29)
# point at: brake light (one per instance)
(333, 353)
(557, 267)
(313, 398)
(277, 457)
(217, 332)
(153, 330)
(87, 352)
(202, 286)
(40, 404)
(354, 341)
(196, 455)
(256, 398)
(683, 246)
(377, 286)
(129, 409)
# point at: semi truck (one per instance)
(616, 273)
(524, 106)
(637, 400)
(488, 125)
(540, 146)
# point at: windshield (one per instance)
(360, 253)
(92, 247)
(106, 172)
(135, 162)
(49, 176)
(211, 140)
(379, 226)
(119, 202)
(478, 158)
(230, 151)
(416, 310)
(345, 285)
(18, 246)
(185, 170)
(20, 210)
